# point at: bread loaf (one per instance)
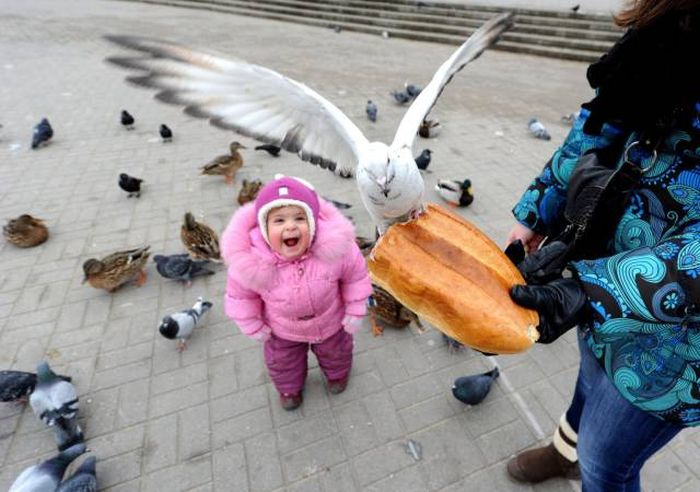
(450, 273)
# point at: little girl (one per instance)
(296, 280)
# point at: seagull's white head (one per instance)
(391, 184)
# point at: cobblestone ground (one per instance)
(209, 419)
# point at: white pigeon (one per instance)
(260, 103)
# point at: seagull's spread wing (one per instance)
(484, 37)
(249, 99)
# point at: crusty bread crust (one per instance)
(449, 272)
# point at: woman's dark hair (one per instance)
(640, 13)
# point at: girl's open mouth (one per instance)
(290, 243)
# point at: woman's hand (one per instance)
(530, 239)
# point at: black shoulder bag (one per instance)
(596, 197)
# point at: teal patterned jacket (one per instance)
(646, 295)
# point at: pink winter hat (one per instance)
(283, 191)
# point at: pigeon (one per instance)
(371, 110)
(42, 133)
(181, 267)
(571, 117)
(412, 90)
(575, 8)
(55, 402)
(456, 193)
(267, 106)
(423, 160)
(46, 476)
(130, 184)
(273, 150)
(538, 130)
(473, 389)
(16, 386)
(429, 128)
(452, 344)
(84, 479)
(166, 133)
(180, 325)
(401, 97)
(127, 120)
(337, 29)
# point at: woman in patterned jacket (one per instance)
(638, 306)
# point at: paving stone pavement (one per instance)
(208, 419)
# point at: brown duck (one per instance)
(389, 310)
(200, 240)
(115, 270)
(249, 191)
(226, 165)
(25, 231)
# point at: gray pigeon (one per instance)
(538, 130)
(180, 325)
(46, 476)
(55, 402)
(473, 389)
(181, 267)
(401, 97)
(371, 110)
(412, 90)
(83, 480)
(17, 385)
(42, 133)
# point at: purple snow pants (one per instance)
(286, 360)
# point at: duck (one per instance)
(200, 240)
(249, 191)
(389, 310)
(25, 231)
(117, 269)
(225, 165)
(429, 128)
(456, 193)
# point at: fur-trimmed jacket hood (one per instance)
(304, 299)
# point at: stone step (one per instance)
(522, 42)
(438, 23)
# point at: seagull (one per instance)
(267, 106)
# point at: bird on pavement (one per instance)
(538, 130)
(181, 267)
(412, 90)
(16, 386)
(429, 128)
(165, 133)
(42, 133)
(200, 240)
(25, 231)
(455, 192)
(127, 120)
(371, 111)
(262, 104)
(84, 479)
(225, 165)
(55, 402)
(423, 160)
(473, 389)
(47, 475)
(180, 325)
(401, 97)
(130, 184)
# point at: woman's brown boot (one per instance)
(558, 459)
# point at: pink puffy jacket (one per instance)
(303, 300)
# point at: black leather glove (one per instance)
(545, 264)
(561, 304)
